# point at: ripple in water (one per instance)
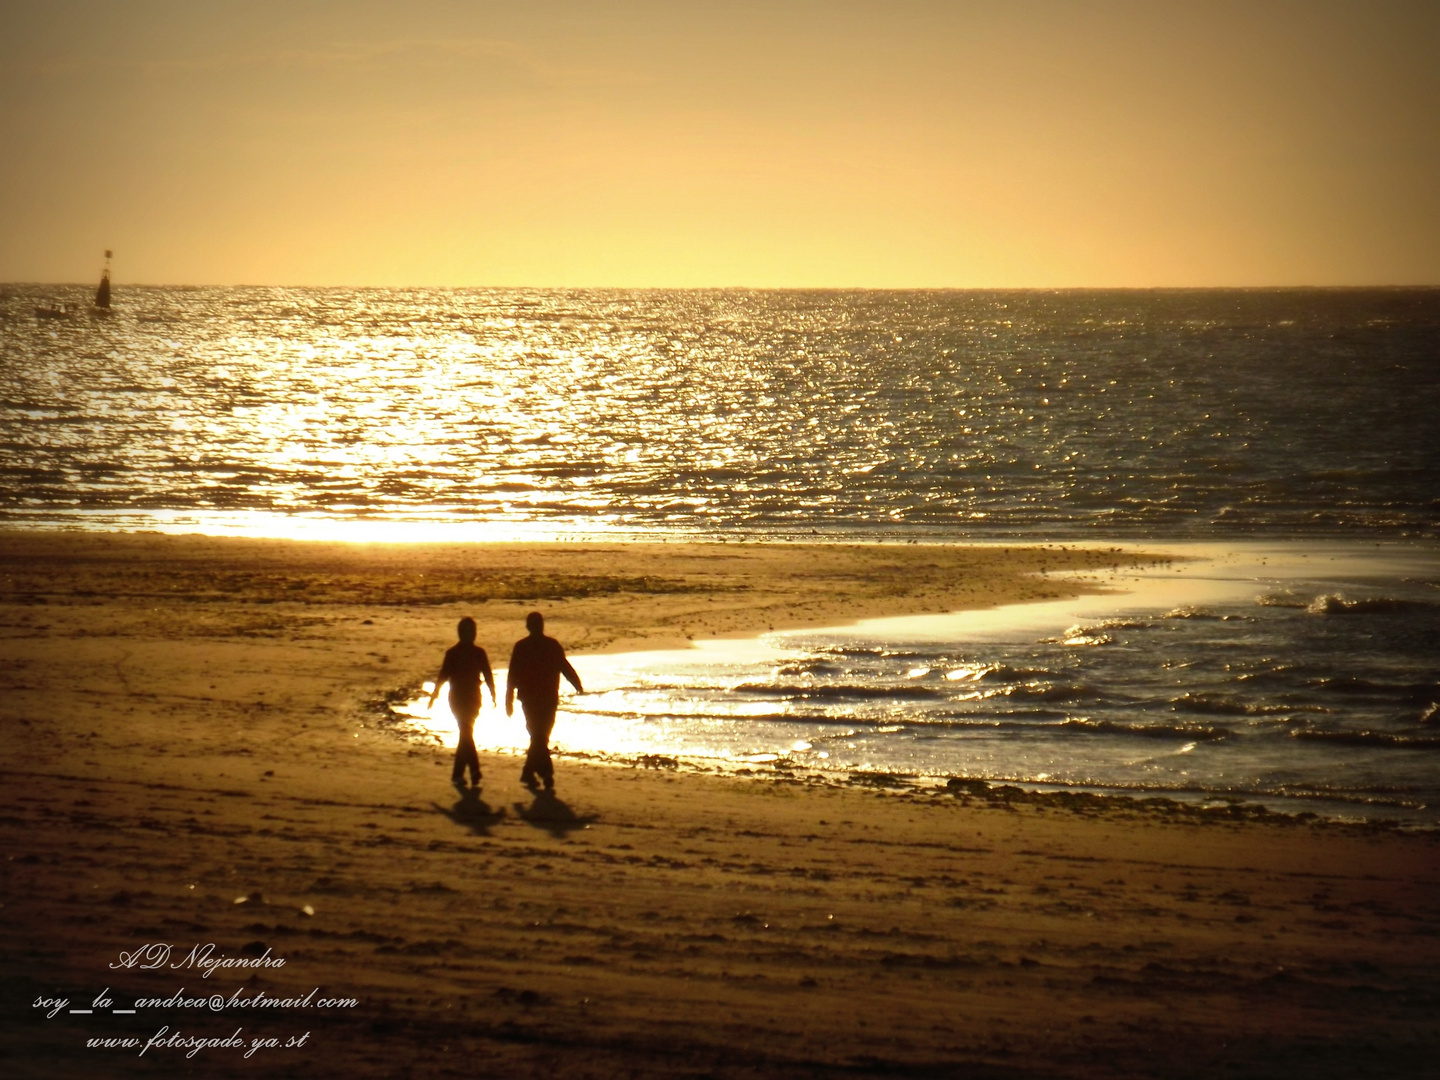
(498, 413)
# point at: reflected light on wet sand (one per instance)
(618, 716)
(1201, 647)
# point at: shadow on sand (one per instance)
(473, 812)
(549, 813)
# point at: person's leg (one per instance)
(465, 711)
(539, 722)
(457, 768)
(544, 765)
(527, 774)
(466, 756)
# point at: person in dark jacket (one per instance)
(464, 665)
(536, 664)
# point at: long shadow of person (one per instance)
(472, 812)
(549, 813)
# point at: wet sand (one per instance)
(193, 722)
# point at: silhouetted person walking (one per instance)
(536, 664)
(464, 664)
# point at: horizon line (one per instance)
(1392, 286)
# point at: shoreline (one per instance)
(191, 761)
(1188, 575)
(1196, 806)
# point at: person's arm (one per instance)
(510, 685)
(569, 673)
(489, 677)
(440, 678)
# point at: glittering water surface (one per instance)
(496, 413)
(1162, 417)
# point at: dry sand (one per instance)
(191, 721)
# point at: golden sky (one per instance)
(776, 144)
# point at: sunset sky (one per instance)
(882, 144)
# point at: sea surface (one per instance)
(1287, 438)
(882, 414)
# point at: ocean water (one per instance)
(1252, 421)
(882, 414)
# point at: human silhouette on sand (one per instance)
(464, 664)
(536, 664)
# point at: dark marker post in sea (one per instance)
(102, 294)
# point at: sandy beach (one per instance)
(194, 757)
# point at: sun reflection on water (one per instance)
(645, 704)
(703, 412)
